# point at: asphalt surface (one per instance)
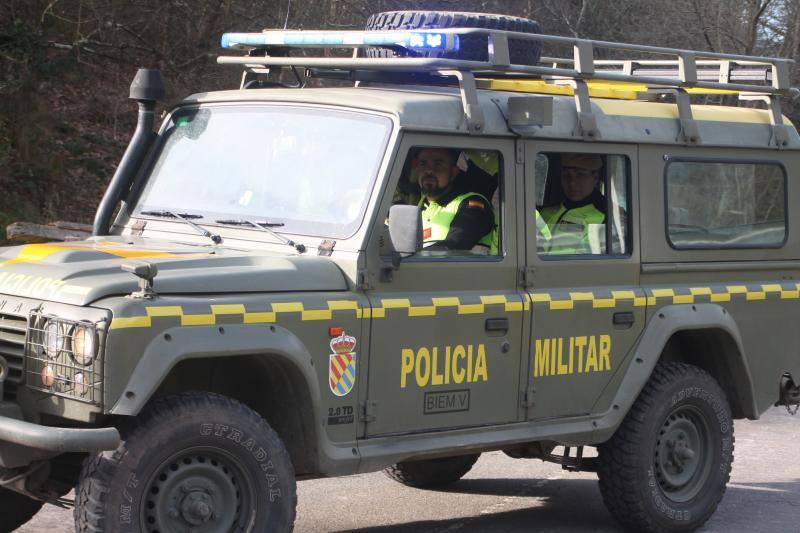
(502, 494)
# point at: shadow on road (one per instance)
(550, 505)
(575, 505)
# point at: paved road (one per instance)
(507, 495)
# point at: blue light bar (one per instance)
(417, 40)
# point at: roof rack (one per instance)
(685, 72)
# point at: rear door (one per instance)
(587, 307)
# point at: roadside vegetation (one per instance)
(66, 65)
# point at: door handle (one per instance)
(497, 324)
(624, 318)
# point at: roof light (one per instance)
(427, 40)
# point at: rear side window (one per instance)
(723, 204)
(582, 204)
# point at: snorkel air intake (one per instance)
(147, 88)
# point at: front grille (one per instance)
(12, 349)
(58, 372)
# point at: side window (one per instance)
(458, 192)
(582, 204)
(725, 204)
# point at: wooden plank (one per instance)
(28, 232)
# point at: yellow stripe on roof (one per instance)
(670, 111)
(619, 90)
(621, 99)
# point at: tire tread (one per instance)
(619, 457)
(432, 472)
(473, 48)
(92, 490)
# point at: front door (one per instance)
(446, 329)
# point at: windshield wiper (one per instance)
(266, 226)
(185, 217)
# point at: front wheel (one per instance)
(666, 467)
(193, 462)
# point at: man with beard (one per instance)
(452, 218)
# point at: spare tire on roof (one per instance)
(472, 47)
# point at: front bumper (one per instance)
(22, 442)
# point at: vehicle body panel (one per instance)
(257, 298)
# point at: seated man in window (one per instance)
(577, 224)
(453, 218)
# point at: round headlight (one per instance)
(48, 376)
(84, 344)
(55, 339)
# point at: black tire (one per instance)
(472, 47)
(190, 460)
(432, 472)
(667, 465)
(17, 509)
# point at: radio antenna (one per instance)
(286, 22)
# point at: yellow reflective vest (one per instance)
(436, 220)
(580, 230)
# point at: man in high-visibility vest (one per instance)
(543, 235)
(452, 218)
(577, 224)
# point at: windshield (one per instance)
(308, 170)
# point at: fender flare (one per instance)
(178, 344)
(665, 322)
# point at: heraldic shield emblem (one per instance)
(342, 367)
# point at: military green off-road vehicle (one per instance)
(261, 309)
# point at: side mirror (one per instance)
(405, 229)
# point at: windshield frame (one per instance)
(132, 208)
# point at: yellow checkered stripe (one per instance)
(552, 300)
(295, 309)
(555, 301)
(598, 300)
(221, 314)
(725, 293)
(452, 303)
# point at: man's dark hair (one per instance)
(417, 150)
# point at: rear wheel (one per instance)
(472, 47)
(667, 465)
(193, 462)
(432, 472)
(17, 509)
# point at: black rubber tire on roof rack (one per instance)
(472, 47)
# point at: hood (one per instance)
(81, 272)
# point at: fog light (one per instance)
(80, 384)
(48, 376)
